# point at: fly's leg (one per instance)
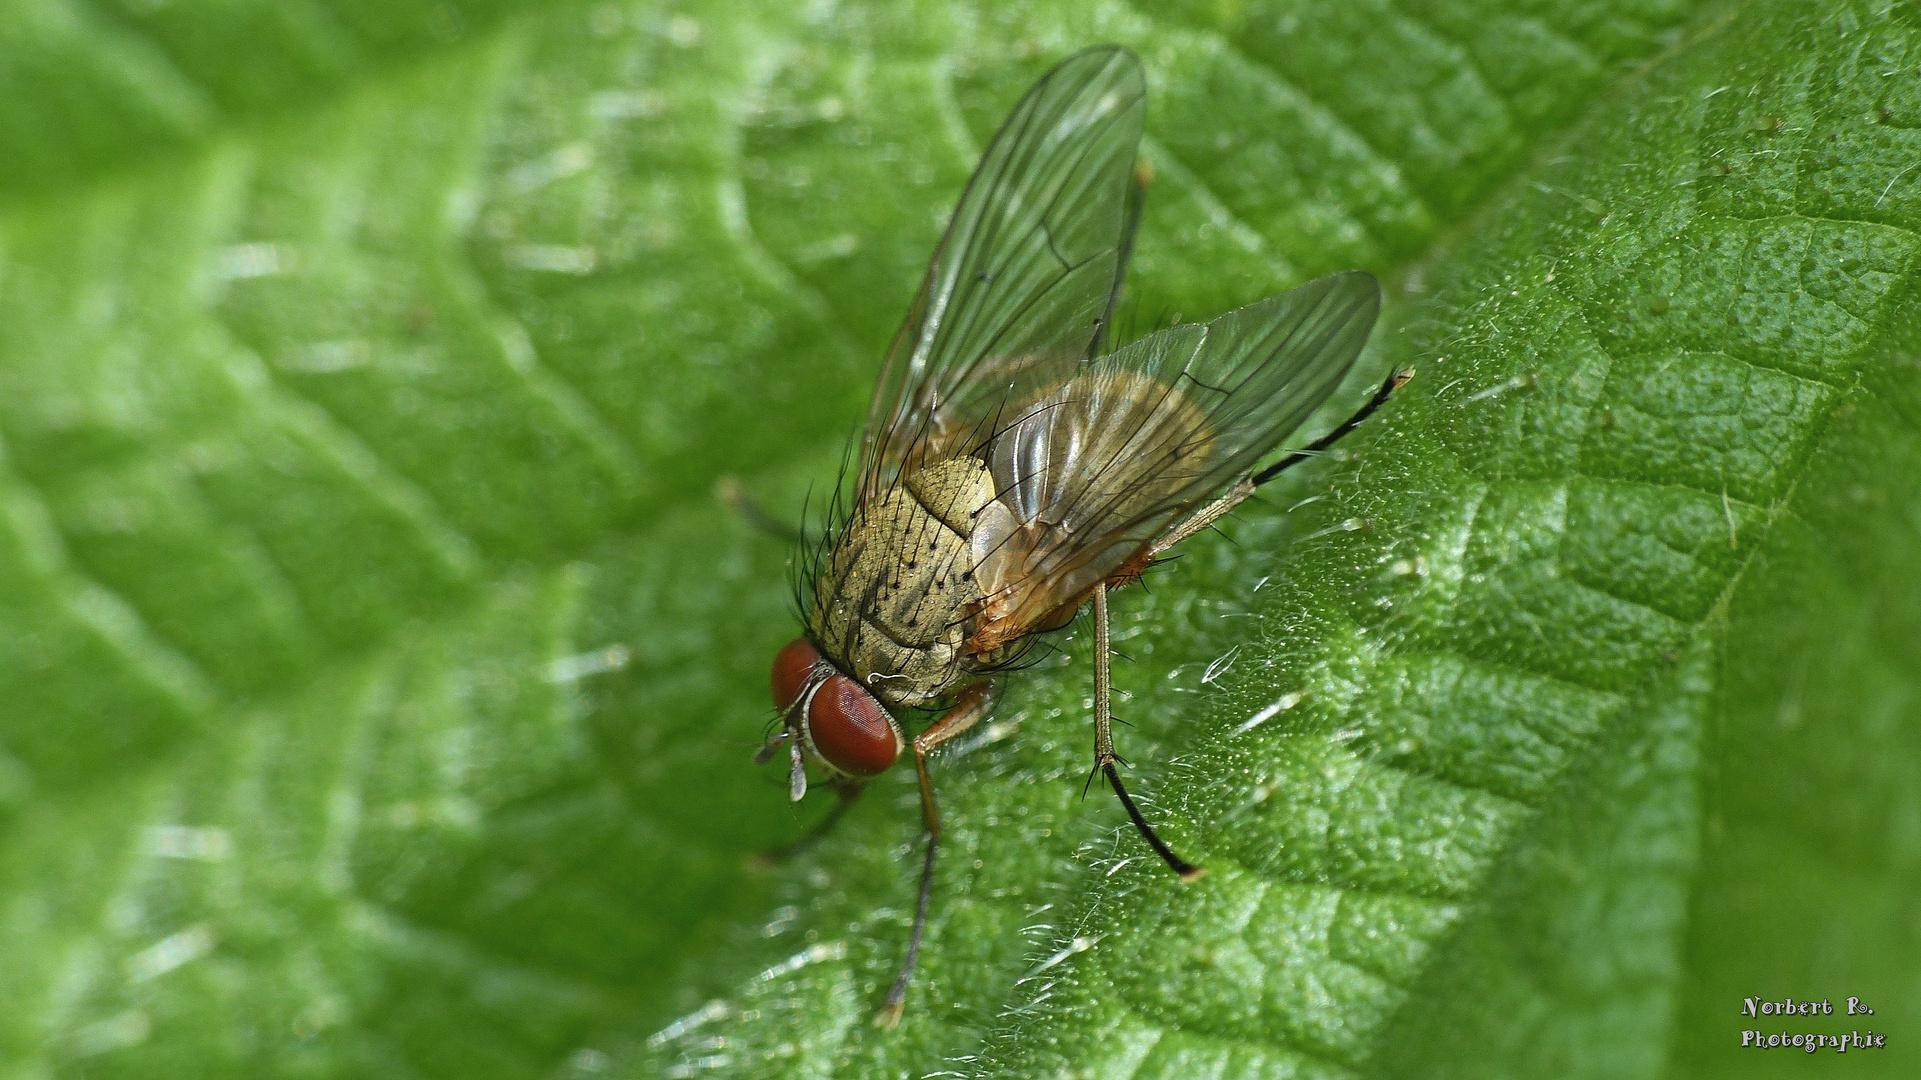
(974, 704)
(735, 496)
(1104, 757)
(849, 793)
(1245, 486)
(1394, 382)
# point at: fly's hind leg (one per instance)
(1245, 486)
(1104, 757)
(1130, 571)
(1394, 382)
(974, 705)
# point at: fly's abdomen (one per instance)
(890, 609)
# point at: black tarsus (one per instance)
(1210, 387)
(897, 996)
(1393, 383)
(1187, 870)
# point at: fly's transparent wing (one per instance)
(1020, 283)
(1095, 470)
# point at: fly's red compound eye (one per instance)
(850, 729)
(792, 665)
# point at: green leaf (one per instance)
(381, 675)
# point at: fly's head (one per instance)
(827, 720)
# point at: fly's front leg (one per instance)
(974, 704)
(1104, 758)
(735, 496)
(849, 793)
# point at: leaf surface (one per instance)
(384, 674)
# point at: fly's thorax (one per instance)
(892, 607)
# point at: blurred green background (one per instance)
(379, 677)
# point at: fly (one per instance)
(1012, 472)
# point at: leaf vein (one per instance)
(1380, 158)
